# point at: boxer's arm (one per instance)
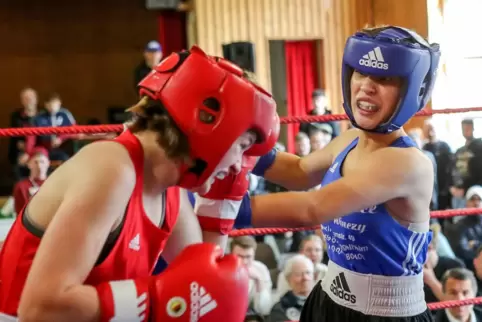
(75, 236)
(384, 175)
(295, 173)
(186, 230)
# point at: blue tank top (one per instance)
(370, 241)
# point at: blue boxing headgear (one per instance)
(392, 52)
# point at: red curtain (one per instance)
(301, 80)
(172, 31)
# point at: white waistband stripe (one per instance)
(391, 296)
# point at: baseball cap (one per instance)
(39, 151)
(473, 191)
(153, 46)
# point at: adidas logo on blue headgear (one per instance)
(395, 52)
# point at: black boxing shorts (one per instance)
(320, 308)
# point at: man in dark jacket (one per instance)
(466, 234)
(320, 107)
(444, 159)
(459, 284)
(152, 57)
(467, 170)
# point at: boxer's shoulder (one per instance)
(105, 157)
(338, 144)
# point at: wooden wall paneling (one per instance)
(257, 21)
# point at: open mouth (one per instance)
(221, 175)
(367, 108)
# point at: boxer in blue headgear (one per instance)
(376, 186)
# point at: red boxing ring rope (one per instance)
(115, 128)
(93, 129)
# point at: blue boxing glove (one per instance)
(264, 163)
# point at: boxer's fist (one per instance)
(201, 285)
(217, 210)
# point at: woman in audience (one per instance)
(299, 272)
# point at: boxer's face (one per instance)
(373, 99)
(231, 162)
(301, 279)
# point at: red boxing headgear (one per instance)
(212, 104)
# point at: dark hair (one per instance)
(53, 96)
(318, 93)
(150, 115)
(460, 274)
(468, 122)
(245, 242)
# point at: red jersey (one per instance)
(23, 191)
(133, 254)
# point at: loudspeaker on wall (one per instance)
(240, 53)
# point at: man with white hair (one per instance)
(299, 272)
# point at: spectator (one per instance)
(416, 135)
(466, 233)
(260, 283)
(467, 170)
(53, 116)
(312, 247)
(320, 136)
(38, 165)
(435, 267)
(299, 272)
(444, 159)
(320, 107)
(19, 147)
(152, 57)
(459, 284)
(302, 144)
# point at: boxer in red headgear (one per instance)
(84, 247)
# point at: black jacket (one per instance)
(467, 170)
(287, 309)
(441, 316)
(465, 237)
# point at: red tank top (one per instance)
(134, 253)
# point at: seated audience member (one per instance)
(53, 116)
(459, 284)
(38, 165)
(320, 136)
(299, 272)
(435, 267)
(252, 316)
(311, 247)
(466, 233)
(302, 144)
(20, 147)
(443, 246)
(260, 283)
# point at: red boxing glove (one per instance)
(199, 285)
(217, 210)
